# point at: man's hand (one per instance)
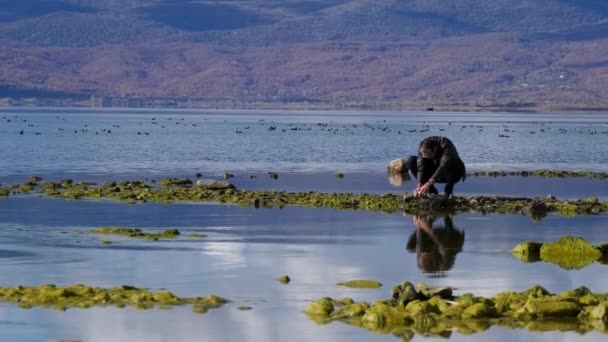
(422, 190)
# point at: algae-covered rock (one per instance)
(381, 314)
(405, 293)
(321, 307)
(552, 308)
(350, 311)
(284, 279)
(170, 233)
(245, 308)
(479, 310)
(167, 182)
(430, 291)
(82, 296)
(600, 312)
(570, 252)
(361, 284)
(528, 251)
(418, 307)
(535, 309)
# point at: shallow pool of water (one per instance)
(47, 241)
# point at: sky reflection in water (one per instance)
(248, 248)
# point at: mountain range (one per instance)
(361, 53)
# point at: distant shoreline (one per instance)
(250, 106)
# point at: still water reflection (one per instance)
(435, 245)
(46, 241)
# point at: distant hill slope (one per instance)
(480, 51)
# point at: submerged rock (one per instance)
(362, 284)
(170, 233)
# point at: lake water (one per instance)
(75, 143)
(42, 240)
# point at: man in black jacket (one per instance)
(437, 162)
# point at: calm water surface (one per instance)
(61, 142)
(41, 241)
(46, 240)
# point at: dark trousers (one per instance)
(452, 174)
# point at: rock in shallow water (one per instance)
(208, 184)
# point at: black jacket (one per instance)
(446, 158)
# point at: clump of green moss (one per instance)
(361, 284)
(528, 251)
(412, 311)
(168, 182)
(81, 296)
(173, 190)
(570, 252)
(137, 233)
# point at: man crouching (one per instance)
(437, 162)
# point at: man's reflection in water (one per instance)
(435, 248)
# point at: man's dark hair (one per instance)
(429, 144)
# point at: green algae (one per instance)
(245, 308)
(410, 312)
(169, 182)
(569, 252)
(174, 190)
(81, 296)
(284, 279)
(171, 233)
(528, 251)
(361, 284)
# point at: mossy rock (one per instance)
(321, 307)
(82, 296)
(361, 284)
(284, 279)
(552, 308)
(479, 310)
(570, 252)
(527, 251)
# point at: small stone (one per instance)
(284, 279)
(245, 308)
(208, 184)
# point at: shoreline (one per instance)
(306, 107)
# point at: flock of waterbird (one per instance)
(27, 126)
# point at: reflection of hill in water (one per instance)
(435, 246)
